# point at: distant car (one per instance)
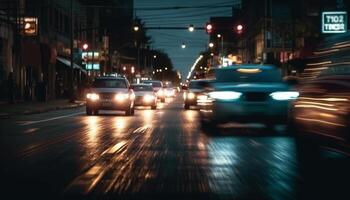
(158, 88)
(247, 93)
(145, 95)
(169, 90)
(110, 93)
(322, 111)
(191, 93)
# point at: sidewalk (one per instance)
(26, 108)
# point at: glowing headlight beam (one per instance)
(280, 96)
(93, 96)
(225, 95)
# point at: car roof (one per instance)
(141, 84)
(199, 80)
(111, 77)
(248, 66)
(150, 81)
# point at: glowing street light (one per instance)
(154, 56)
(191, 28)
(85, 46)
(219, 35)
(183, 45)
(124, 68)
(136, 28)
(166, 68)
(211, 45)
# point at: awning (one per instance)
(67, 63)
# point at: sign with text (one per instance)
(334, 22)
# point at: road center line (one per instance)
(50, 119)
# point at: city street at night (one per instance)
(175, 99)
(158, 154)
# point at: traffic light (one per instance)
(30, 26)
(208, 28)
(239, 28)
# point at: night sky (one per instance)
(170, 40)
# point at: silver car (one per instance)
(246, 93)
(110, 93)
(145, 95)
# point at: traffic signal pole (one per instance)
(71, 85)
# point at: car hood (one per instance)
(251, 87)
(143, 93)
(108, 90)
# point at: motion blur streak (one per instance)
(320, 121)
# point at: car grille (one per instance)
(256, 96)
(107, 95)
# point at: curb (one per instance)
(38, 111)
(66, 107)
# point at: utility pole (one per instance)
(72, 97)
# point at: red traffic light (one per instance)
(239, 28)
(85, 46)
(209, 28)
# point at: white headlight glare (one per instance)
(225, 95)
(121, 97)
(93, 96)
(280, 96)
(191, 95)
(148, 98)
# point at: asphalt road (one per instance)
(161, 154)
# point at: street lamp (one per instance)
(222, 46)
(124, 68)
(191, 28)
(136, 28)
(211, 45)
(154, 56)
(166, 68)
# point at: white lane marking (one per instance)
(50, 119)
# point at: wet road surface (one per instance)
(158, 154)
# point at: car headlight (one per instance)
(191, 95)
(280, 96)
(160, 92)
(121, 97)
(148, 98)
(93, 96)
(225, 95)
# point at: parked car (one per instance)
(195, 88)
(322, 111)
(158, 88)
(110, 93)
(247, 93)
(145, 95)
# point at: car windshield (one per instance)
(248, 75)
(154, 83)
(142, 88)
(109, 83)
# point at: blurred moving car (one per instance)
(322, 111)
(145, 95)
(191, 93)
(247, 93)
(110, 93)
(169, 90)
(158, 88)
